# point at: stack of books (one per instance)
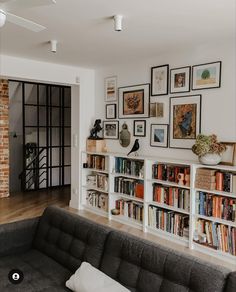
(169, 221)
(96, 161)
(129, 166)
(130, 187)
(98, 180)
(218, 236)
(130, 209)
(225, 181)
(97, 200)
(172, 196)
(216, 206)
(205, 179)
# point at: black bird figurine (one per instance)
(135, 148)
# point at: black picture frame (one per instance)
(115, 114)
(145, 88)
(166, 142)
(165, 86)
(114, 137)
(218, 77)
(188, 79)
(134, 128)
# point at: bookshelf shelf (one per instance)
(217, 220)
(127, 197)
(167, 207)
(119, 185)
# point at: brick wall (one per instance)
(4, 139)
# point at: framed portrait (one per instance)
(111, 129)
(139, 128)
(111, 89)
(185, 121)
(206, 76)
(159, 80)
(159, 135)
(111, 111)
(229, 156)
(134, 101)
(180, 80)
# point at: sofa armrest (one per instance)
(17, 237)
(231, 283)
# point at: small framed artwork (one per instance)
(134, 101)
(111, 129)
(229, 156)
(111, 111)
(185, 121)
(159, 135)
(206, 76)
(159, 80)
(139, 128)
(111, 89)
(157, 109)
(180, 80)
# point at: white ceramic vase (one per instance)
(210, 159)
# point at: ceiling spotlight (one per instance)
(118, 22)
(53, 46)
(2, 18)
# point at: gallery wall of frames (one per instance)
(177, 118)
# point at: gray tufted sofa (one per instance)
(50, 248)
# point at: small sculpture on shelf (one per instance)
(95, 130)
(135, 148)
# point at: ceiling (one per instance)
(84, 30)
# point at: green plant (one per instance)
(207, 144)
(206, 74)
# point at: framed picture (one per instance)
(134, 101)
(110, 89)
(229, 156)
(180, 80)
(111, 111)
(139, 128)
(159, 80)
(185, 121)
(111, 129)
(159, 135)
(157, 109)
(206, 76)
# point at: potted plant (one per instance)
(208, 149)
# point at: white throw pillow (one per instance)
(89, 279)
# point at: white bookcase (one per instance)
(147, 201)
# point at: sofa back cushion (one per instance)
(70, 239)
(145, 267)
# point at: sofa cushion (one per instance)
(41, 273)
(145, 267)
(70, 239)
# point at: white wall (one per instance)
(218, 105)
(82, 81)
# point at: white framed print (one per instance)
(159, 135)
(111, 130)
(159, 80)
(139, 128)
(111, 111)
(180, 79)
(111, 89)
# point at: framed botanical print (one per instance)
(111, 89)
(159, 135)
(139, 128)
(111, 111)
(206, 76)
(111, 129)
(159, 80)
(180, 80)
(185, 121)
(134, 101)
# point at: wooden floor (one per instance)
(28, 205)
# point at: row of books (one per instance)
(212, 179)
(99, 181)
(97, 199)
(216, 206)
(218, 236)
(176, 197)
(129, 166)
(130, 187)
(96, 161)
(169, 221)
(130, 209)
(171, 173)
